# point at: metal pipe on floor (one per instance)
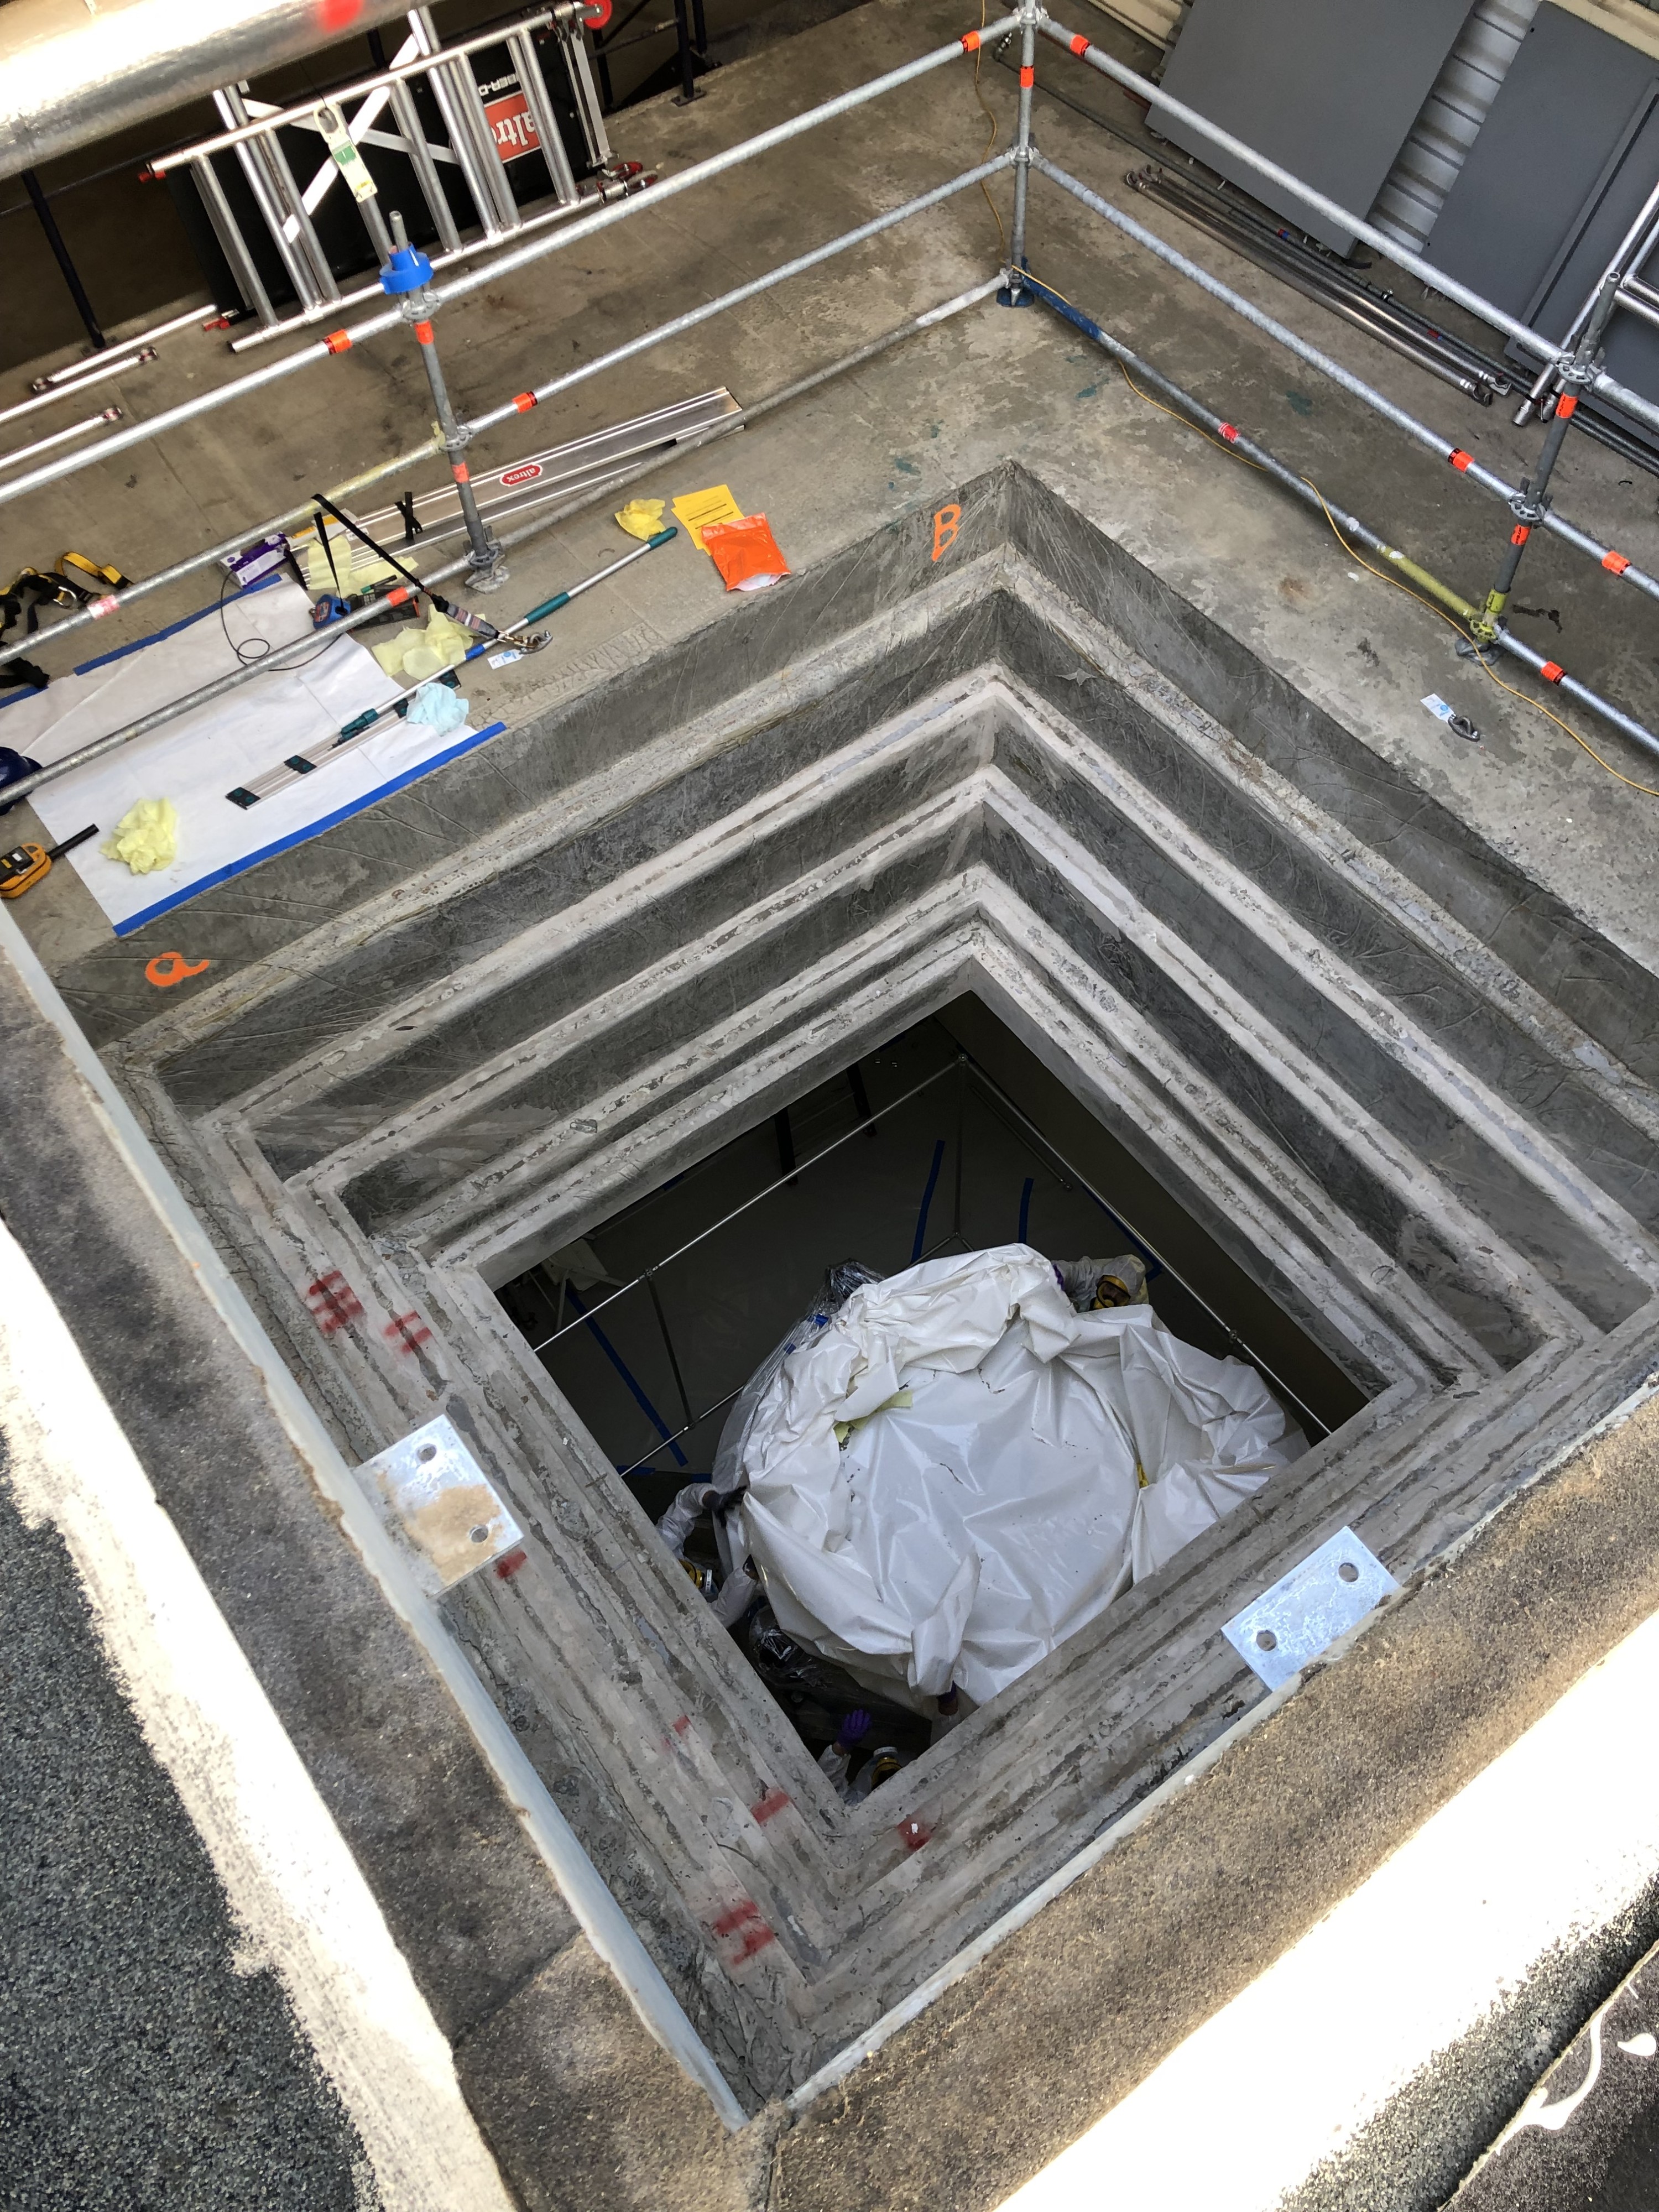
(179, 569)
(1434, 440)
(59, 438)
(1193, 196)
(69, 390)
(861, 354)
(520, 257)
(1439, 280)
(206, 693)
(693, 316)
(1388, 325)
(1421, 579)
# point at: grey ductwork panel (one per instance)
(1329, 88)
(70, 72)
(1561, 168)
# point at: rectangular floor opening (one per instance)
(943, 1140)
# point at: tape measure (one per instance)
(25, 865)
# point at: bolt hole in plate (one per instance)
(1303, 1615)
(440, 1507)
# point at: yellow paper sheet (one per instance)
(697, 508)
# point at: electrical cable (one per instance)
(1400, 582)
(991, 118)
(1647, 790)
(246, 654)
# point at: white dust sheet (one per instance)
(198, 757)
(958, 1471)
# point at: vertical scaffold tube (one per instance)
(405, 275)
(1023, 150)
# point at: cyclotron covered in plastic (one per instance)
(950, 1474)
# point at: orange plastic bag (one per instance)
(745, 553)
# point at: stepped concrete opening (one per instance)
(1389, 1102)
(651, 1323)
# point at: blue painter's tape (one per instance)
(121, 652)
(185, 621)
(626, 1373)
(928, 1199)
(310, 829)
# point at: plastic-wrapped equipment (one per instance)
(957, 1470)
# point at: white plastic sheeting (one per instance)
(1015, 1464)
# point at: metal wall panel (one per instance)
(1566, 157)
(1569, 102)
(1328, 88)
(1410, 203)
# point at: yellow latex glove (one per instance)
(415, 653)
(146, 838)
(391, 654)
(641, 518)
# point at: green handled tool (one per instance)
(563, 598)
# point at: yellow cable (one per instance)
(1646, 790)
(990, 116)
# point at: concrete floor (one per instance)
(899, 435)
(895, 439)
(129, 243)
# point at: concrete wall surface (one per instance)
(1134, 751)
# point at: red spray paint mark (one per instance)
(774, 1802)
(407, 1333)
(912, 1834)
(337, 15)
(333, 1302)
(509, 1564)
(744, 1930)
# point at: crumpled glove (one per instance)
(146, 838)
(641, 518)
(435, 706)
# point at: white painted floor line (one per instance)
(1439, 1938)
(302, 1905)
